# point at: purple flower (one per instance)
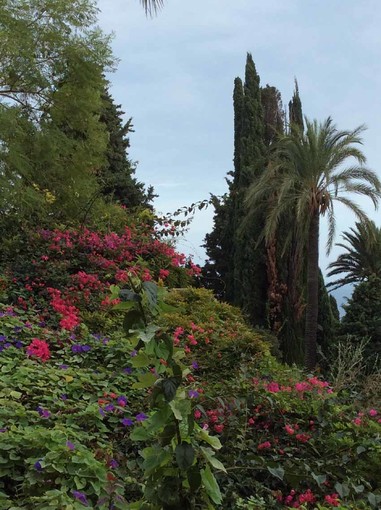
(17, 329)
(2, 338)
(109, 408)
(70, 445)
(141, 417)
(63, 396)
(113, 464)
(76, 348)
(195, 365)
(105, 341)
(122, 401)
(63, 367)
(193, 393)
(7, 345)
(3, 430)
(133, 353)
(18, 345)
(127, 422)
(81, 497)
(101, 412)
(43, 412)
(128, 370)
(86, 348)
(37, 465)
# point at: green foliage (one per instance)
(52, 141)
(362, 255)
(116, 178)
(362, 319)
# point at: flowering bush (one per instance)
(87, 338)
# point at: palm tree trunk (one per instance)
(312, 293)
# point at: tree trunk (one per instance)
(312, 293)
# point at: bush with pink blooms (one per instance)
(79, 424)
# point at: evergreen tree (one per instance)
(295, 110)
(250, 280)
(273, 114)
(116, 177)
(362, 318)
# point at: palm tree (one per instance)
(362, 258)
(152, 6)
(306, 175)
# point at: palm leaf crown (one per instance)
(305, 175)
(362, 258)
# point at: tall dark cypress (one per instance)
(273, 114)
(250, 281)
(116, 178)
(295, 109)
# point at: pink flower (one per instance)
(332, 499)
(289, 430)
(303, 438)
(39, 348)
(163, 274)
(218, 428)
(197, 414)
(273, 387)
(372, 412)
(357, 421)
(264, 446)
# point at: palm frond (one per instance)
(151, 7)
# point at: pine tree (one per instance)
(116, 177)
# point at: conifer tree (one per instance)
(250, 281)
(116, 177)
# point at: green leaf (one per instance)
(169, 388)
(180, 408)
(148, 333)
(374, 500)
(185, 454)
(194, 478)
(168, 434)
(139, 434)
(211, 485)
(278, 472)
(342, 489)
(129, 295)
(151, 293)
(319, 479)
(212, 440)
(145, 381)
(210, 457)
(360, 450)
(15, 394)
(140, 360)
(124, 306)
(155, 457)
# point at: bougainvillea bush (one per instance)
(118, 393)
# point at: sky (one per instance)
(175, 79)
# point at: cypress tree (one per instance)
(295, 109)
(250, 281)
(273, 114)
(116, 177)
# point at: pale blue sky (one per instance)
(176, 72)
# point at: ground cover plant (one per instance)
(118, 392)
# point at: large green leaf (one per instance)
(211, 485)
(210, 457)
(184, 455)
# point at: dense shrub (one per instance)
(83, 365)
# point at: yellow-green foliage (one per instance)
(223, 338)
